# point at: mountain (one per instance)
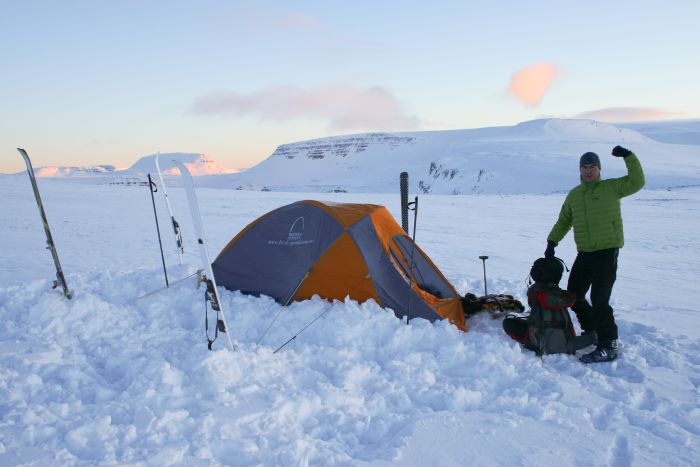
(67, 171)
(671, 131)
(539, 156)
(197, 164)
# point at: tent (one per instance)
(336, 250)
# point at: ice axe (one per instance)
(502, 303)
(483, 260)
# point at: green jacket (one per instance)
(593, 209)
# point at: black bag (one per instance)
(548, 328)
(496, 305)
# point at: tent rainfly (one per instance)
(336, 250)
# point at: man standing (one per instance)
(593, 209)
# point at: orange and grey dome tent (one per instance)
(336, 250)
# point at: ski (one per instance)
(211, 295)
(175, 225)
(50, 245)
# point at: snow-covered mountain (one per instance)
(671, 131)
(197, 164)
(534, 156)
(506, 160)
(67, 171)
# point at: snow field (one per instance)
(106, 379)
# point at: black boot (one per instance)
(605, 352)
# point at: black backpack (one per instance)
(548, 328)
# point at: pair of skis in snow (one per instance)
(211, 295)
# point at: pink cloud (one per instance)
(629, 114)
(530, 84)
(344, 107)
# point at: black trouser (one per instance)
(596, 271)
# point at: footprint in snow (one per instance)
(620, 454)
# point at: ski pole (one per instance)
(413, 207)
(152, 188)
(403, 184)
(483, 259)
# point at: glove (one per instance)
(549, 252)
(619, 151)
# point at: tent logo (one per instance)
(294, 237)
(296, 230)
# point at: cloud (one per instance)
(530, 84)
(629, 114)
(287, 30)
(296, 21)
(344, 107)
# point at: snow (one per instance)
(63, 171)
(474, 161)
(197, 164)
(673, 131)
(107, 378)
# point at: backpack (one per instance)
(548, 328)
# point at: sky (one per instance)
(88, 83)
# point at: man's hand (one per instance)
(619, 151)
(549, 252)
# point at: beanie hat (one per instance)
(590, 158)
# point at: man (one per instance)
(593, 209)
